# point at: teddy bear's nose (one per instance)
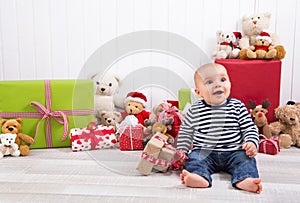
(10, 129)
(254, 22)
(102, 89)
(292, 119)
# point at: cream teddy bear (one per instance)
(106, 87)
(8, 145)
(227, 45)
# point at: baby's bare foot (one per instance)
(250, 185)
(193, 180)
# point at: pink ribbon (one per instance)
(47, 113)
(167, 110)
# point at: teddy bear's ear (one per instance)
(3, 121)
(278, 112)
(118, 79)
(268, 15)
(218, 33)
(19, 120)
(102, 113)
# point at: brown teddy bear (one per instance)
(288, 123)
(259, 117)
(263, 49)
(111, 118)
(135, 103)
(161, 127)
(14, 126)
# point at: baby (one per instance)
(221, 132)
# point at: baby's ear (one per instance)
(197, 92)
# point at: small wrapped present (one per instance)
(156, 155)
(131, 134)
(167, 154)
(48, 108)
(269, 145)
(92, 137)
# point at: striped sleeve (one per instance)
(185, 135)
(248, 128)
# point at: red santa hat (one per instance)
(264, 36)
(136, 97)
(237, 35)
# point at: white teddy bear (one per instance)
(227, 45)
(252, 26)
(8, 145)
(106, 87)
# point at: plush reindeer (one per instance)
(259, 117)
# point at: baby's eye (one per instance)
(208, 82)
(223, 79)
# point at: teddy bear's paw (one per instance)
(16, 153)
(251, 54)
(280, 52)
(271, 54)
(221, 55)
(261, 54)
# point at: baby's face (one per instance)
(213, 84)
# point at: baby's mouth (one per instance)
(218, 92)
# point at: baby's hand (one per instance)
(250, 148)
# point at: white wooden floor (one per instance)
(60, 175)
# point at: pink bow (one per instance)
(167, 110)
(47, 114)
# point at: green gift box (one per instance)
(186, 97)
(49, 109)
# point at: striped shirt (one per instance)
(220, 128)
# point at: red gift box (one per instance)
(171, 112)
(255, 80)
(92, 137)
(131, 138)
(269, 145)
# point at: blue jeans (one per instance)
(236, 163)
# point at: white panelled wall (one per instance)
(53, 39)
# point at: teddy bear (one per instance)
(252, 26)
(263, 49)
(259, 117)
(227, 45)
(111, 118)
(160, 127)
(8, 145)
(106, 87)
(135, 103)
(288, 123)
(14, 126)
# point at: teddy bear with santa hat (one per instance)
(135, 103)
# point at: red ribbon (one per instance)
(155, 161)
(47, 113)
